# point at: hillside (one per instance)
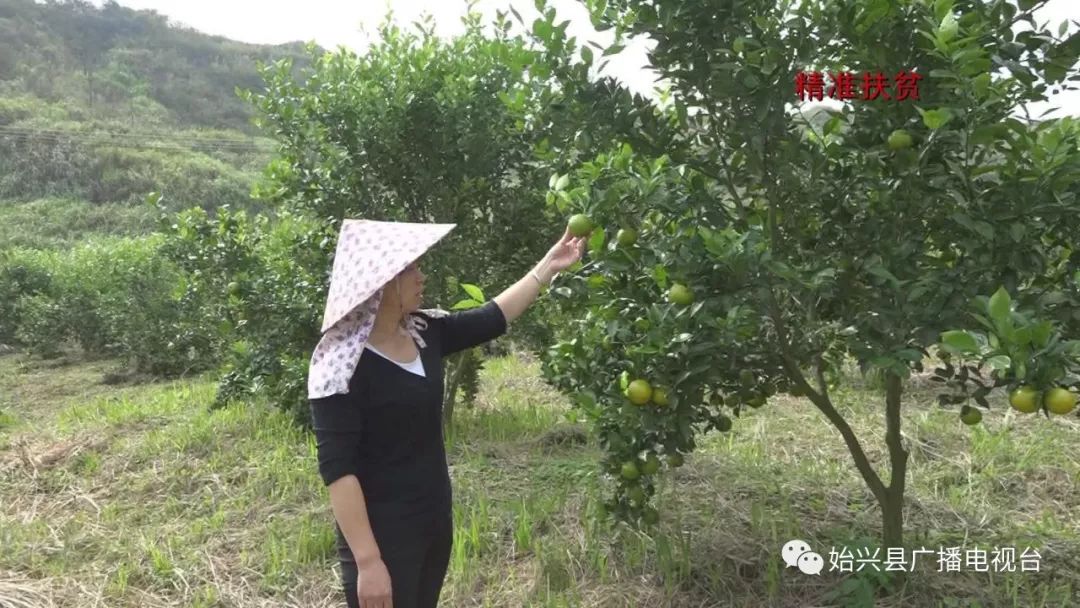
(116, 63)
(102, 105)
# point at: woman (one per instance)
(375, 386)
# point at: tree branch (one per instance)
(897, 454)
(825, 405)
(727, 174)
(819, 371)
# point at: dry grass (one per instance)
(142, 497)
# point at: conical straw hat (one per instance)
(369, 255)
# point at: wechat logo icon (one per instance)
(797, 554)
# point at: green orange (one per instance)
(651, 465)
(1059, 401)
(639, 392)
(1025, 399)
(680, 294)
(899, 140)
(580, 225)
(970, 415)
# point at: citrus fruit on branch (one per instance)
(580, 225)
(1025, 399)
(639, 392)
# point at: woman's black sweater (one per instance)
(387, 430)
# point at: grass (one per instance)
(141, 496)
(60, 223)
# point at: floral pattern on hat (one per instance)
(369, 255)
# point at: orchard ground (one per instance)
(138, 495)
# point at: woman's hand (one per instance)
(516, 298)
(373, 584)
(562, 255)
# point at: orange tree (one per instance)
(746, 245)
(415, 129)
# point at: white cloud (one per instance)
(331, 23)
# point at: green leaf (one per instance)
(562, 182)
(999, 305)
(784, 271)
(542, 29)
(473, 291)
(909, 354)
(874, 11)
(1054, 72)
(1053, 298)
(883, 361)
(985, 229)
(1017, 232)
(1040, 333)
(964, 220)
(960, 340)
(465, 304)
(1021, 370)
(999, 362)
(948, 28)
(935, 119)
(987, 134)
(613, 50)
(586, 400)
(832, 125)
(1022, 336)
(660, 275)
(882, 272)
(942, 8)
(596, 241)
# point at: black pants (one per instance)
(417, 565)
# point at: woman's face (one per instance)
(410, 287)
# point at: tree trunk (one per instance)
(892, 520)
(892, 503)
(450, 398)
(890, 497)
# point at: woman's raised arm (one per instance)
(515, 299)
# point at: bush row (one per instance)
(108, 296)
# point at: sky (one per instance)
(352, 23)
